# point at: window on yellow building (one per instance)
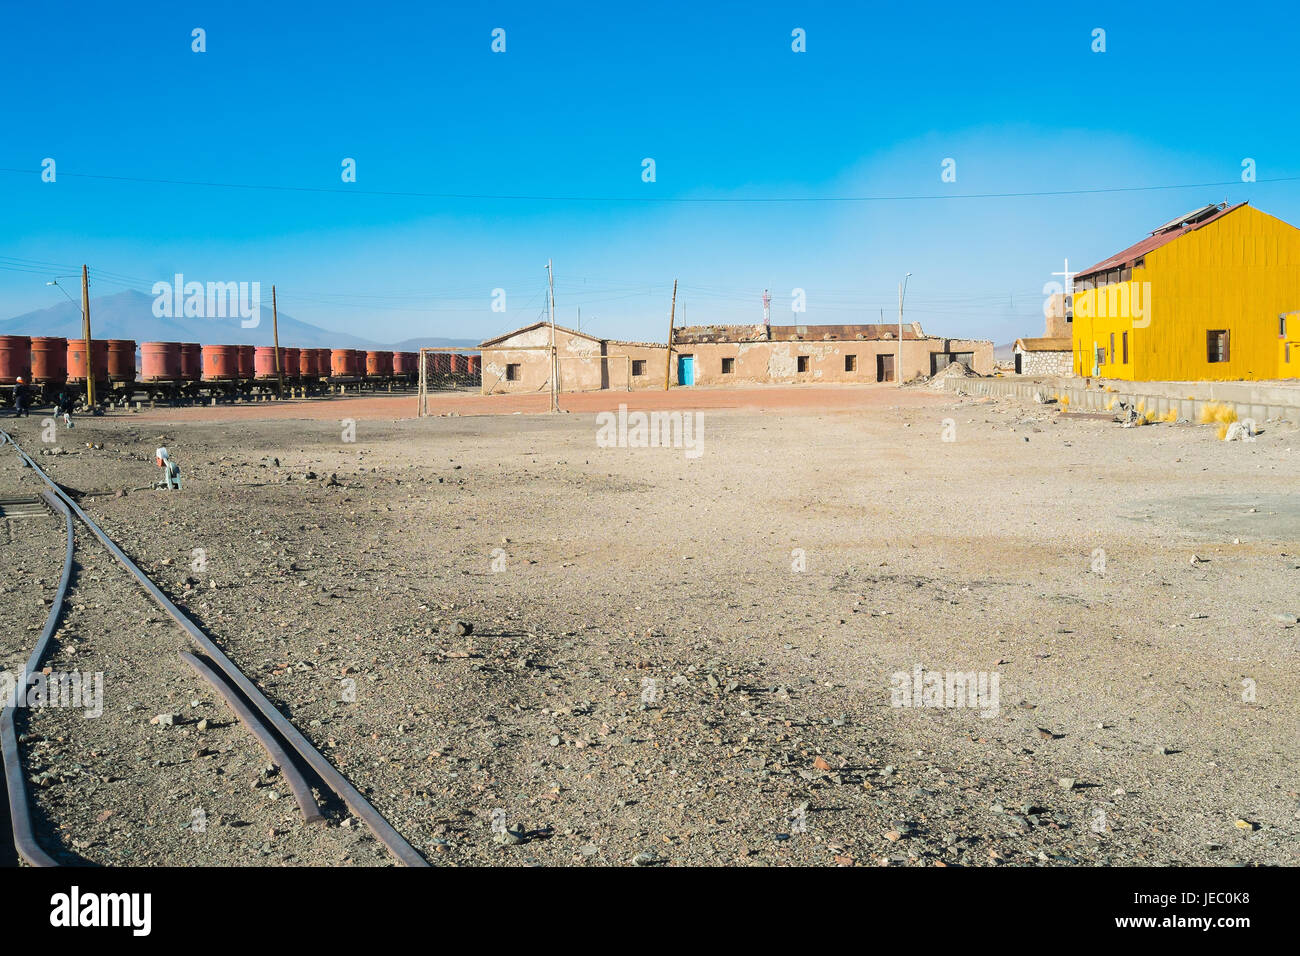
(1112, 344)
(1124, 340)
(1216, 345)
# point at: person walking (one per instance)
(21, 398)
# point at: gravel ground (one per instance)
(651, 677)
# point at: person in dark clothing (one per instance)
(63, 404)
(21, 398)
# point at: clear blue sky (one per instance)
(583, 93)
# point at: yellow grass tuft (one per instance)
(1141, 407)
(1065, 401)
(1222, 431)
(1110, 406)
(1170, 416)
(1213, 412)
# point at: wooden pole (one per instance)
(85, 337)
(555, 361)
(668, 359)
(275, 336)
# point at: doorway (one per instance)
(884, 368)
(686, 370)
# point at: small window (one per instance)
(512, 373)
(638, 366)
(1124, 340)
(1112, 343)
(1101, 356)
(1216, 345)
(803, 363)
(850, 363)
(728, 366)
(1281, 326)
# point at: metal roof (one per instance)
(1166, 234)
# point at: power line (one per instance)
(650, 199)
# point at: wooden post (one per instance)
(672, 317)
(85, 337)
(275, 336)
(555, 361)
(898, 372)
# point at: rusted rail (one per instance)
(332, 778)
(20, 814)
(292, 775)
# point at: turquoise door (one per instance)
(686, 370)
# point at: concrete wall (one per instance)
(778, 362)
(585, 365)
(654, 357)
(535, 364)
(1257, 402)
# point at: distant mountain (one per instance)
(129, 315)
(414, 345)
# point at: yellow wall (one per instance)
(1237, 273)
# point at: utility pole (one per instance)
(85, 337)
(555, 362)
(275, 341)
(898, 372)
(668, 360)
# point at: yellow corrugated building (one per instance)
(1205, 296)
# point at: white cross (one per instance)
(1067, 275)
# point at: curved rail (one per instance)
(349, 794)
(292, 775)
(19, 806)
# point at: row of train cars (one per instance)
(180, 371)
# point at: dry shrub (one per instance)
(1213, 412)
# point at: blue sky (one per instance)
(713, 93)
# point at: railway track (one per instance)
(282, 741)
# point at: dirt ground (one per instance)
(454, 402)
(679, 659)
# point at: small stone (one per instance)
(163, 720)
(464, 628)
(1066, 783)
(203, 724)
